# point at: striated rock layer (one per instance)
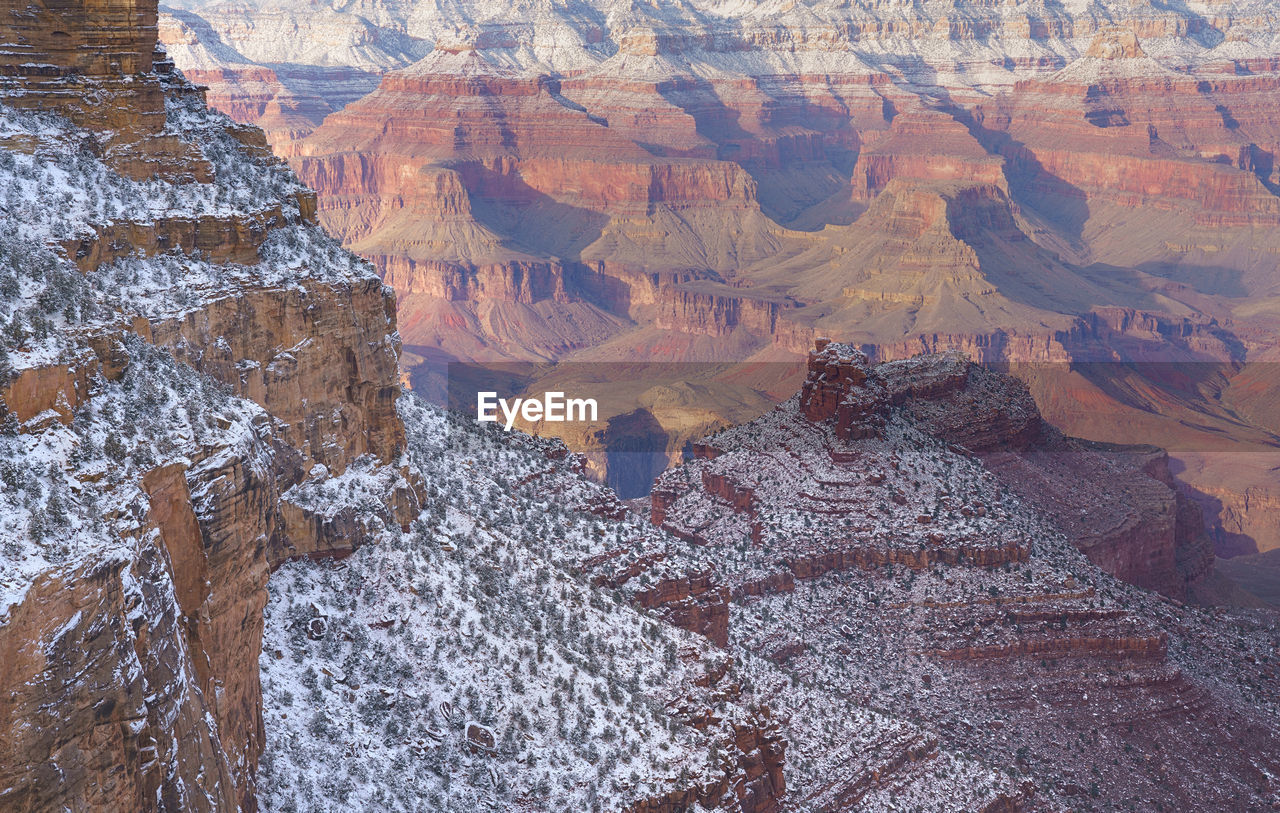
(131, 679)
(913, 530)
(1023, 184)
(880, 594)
(97, 63)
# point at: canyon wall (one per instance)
(132, 666)
(876, 592)
(1022, 185)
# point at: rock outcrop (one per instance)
(1154, 537)
(131, 679)
(753, 780)
(1002, 182)
(921, 512)
(98, 64)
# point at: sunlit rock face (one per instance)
(183, 346)
(1022, 183)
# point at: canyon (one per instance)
(243, 568)
(913, 529)
(1087, 195)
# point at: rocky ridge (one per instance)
(878, 542)
(1027, 184)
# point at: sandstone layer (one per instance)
(1025, 185)
(132, 673)
(921, 513)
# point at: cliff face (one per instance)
(104, 744)
(176, 252)
(319, 358)
(1001, 181)
(81, 60)
(914, 530)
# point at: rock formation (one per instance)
(82, 59)
(1154, 537)
(914, 528)
(133, 665)
(1024, 185)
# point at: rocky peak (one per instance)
(838, 387)
(956, 400)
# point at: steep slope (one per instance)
(172, 316)
(872, 542)
(1025, 183)
(525, 564)
(465, 648)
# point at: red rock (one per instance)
(970, 223)
(179, 607)
(60, 49)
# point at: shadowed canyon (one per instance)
(1005, 542)
(1087, 193)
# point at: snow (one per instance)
(483, 611)
(468, 618)
(69, 496)
(62, 190)
(925, 44)
(71, 492)
(57, 192)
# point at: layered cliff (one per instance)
(911, 534)
(1023, 184)
(173, 317)
(1154, 537)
